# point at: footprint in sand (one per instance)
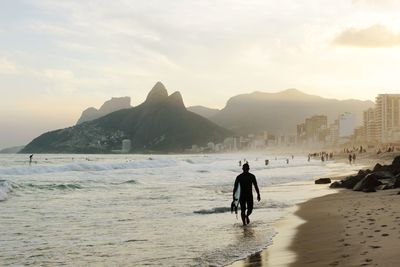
(375, 247)
(385, 234)
(335, 263)
(364, 253)
(370, 236)
(383, 225)
(377, 231)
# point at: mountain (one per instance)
(160, 124)
(11, 150)
(279, 113)
(203, 111)
(114, 104)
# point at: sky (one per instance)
(59, 57)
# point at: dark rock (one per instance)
(323, 181)
(367, 184)
(382, 175)
(396, 161)
(362, 172)
(377, 167)
(350, 181)
(397, 182)
(395, 169)
(337, 184)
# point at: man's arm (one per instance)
(256, 187)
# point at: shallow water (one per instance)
(158, 210)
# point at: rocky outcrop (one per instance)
(160, 124)
(380, 178)
(114, 104)
(323, 181)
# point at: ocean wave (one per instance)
(213, 210)
(130, 182)
(272, 204)
(88, 166)
(5, 188)
(269, 204)
(54, 186)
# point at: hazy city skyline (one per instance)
(60, 57)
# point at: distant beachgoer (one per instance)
(350, 158)
(287, 161)
(322, 158)
(309, 158)
(240, 163)
(30, 159)
(354, 158)
(246, 180)
(266, 162)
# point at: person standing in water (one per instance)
(30, 159)
(246, 180)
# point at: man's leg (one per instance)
(243, 211)
(249, 209)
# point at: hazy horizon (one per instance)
(58, 58)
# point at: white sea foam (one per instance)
(87, 166)
(5, 188)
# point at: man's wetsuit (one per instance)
(246, 181)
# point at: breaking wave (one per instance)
(88, 166)
(55, 186)
(213, 210)
(5, 188)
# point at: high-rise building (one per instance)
(371, 125)
(387, 115)
(347, 124)
(311, 132)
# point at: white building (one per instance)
(126, 145)
(347, 124)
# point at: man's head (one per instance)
(246, 167)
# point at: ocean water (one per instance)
(143, 210)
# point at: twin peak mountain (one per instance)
(160, 124)
(163, 124)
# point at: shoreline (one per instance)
(320, 231)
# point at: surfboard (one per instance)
(235, 202)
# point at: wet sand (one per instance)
(349, 229)
(343, 229)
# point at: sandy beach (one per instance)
(346, 228)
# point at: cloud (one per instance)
(7, 67)
(375, 36)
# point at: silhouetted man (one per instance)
(246, 181)
(30, 159)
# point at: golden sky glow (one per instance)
(60, 57)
